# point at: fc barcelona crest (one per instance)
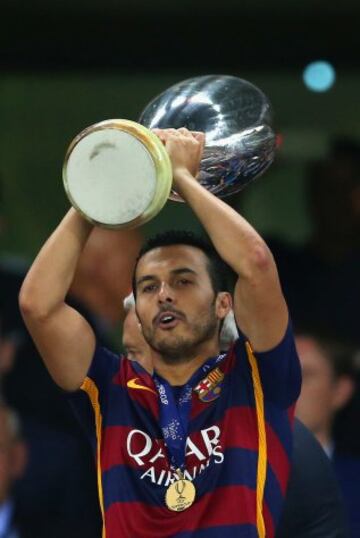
(209, 388)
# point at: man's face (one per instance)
(316, 405)
(175, 301)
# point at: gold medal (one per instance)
(181, 494)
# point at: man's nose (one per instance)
(166, 294)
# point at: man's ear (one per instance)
(223, 304)
(343, 392)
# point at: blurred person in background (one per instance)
(59, 459)
(321, 278)
(13, 458)
(328, 385)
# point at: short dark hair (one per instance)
(339, 353)
(340, 356)
(218, 270)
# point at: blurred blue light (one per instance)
(319, 76)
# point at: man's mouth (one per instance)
(167, 320)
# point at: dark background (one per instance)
(68, 64)
(147, 36)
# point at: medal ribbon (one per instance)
(174, 416)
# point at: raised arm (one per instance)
(259, 305)
(63, 337)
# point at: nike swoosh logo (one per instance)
(132, 384)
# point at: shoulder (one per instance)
(313, 503)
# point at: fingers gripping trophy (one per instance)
(118, 174)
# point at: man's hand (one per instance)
(185, 150)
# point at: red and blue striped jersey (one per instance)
(119, 407)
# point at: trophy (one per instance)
(118, 174)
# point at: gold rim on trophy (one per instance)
(117, 174)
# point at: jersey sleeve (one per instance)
(91, 400)
(280, 371)
(104, 365)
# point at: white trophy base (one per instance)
(117, 174)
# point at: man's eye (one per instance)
(184, 281)
(149, 288)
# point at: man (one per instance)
(202, 447)
(313, 506)
(328, 385)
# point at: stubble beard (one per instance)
(180, 349)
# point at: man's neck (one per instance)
(179, 373)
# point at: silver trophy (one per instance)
(118, 174)
(236, 119)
